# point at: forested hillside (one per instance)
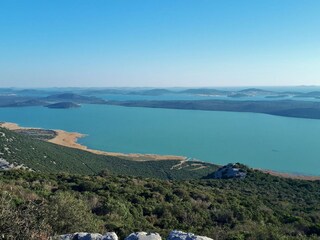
(257, 207)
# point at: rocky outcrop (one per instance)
(179, 235)
(174, 235)
(143, 236)
(88, 236)
(4, 165)
(229, 171)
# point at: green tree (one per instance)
(70, 214)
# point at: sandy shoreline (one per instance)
(69, 139)
(13, 126)
(291, 176)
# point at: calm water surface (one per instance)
(259, 140)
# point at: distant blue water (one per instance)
(259, 140)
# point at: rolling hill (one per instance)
(63, 105)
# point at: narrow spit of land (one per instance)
(284, 108)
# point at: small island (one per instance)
(63, 105)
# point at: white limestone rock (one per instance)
(89, 236)
(143, 236)
(110, 236)
(179, 235)
(4, 165)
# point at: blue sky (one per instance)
(159, 43)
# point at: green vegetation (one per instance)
(40, 134)
(51, 158)
(258, 207)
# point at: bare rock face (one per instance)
(143, 236)
(110, 236)
(229, 171)
(89, 236)
(179, 235)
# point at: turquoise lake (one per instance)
(258, 140)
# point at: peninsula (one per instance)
(285, 108)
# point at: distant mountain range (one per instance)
(249, 92)
(54, 101)
(73, 94)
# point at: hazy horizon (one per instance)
(165, 87)
(3, 85)
(159, 43)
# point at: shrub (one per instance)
(70, 214)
